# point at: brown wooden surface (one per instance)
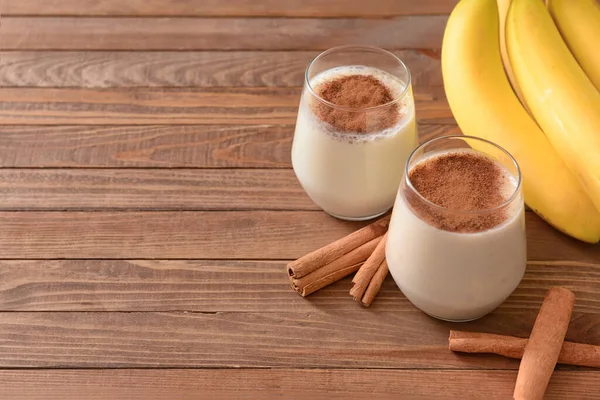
(219, 8)
(384, 339)
(154, 189)
(72, 33)
(168, 106)
(182, 69)
(234, 286)
(157, 146)
(148, 208)
(318, 384)
(214, 235)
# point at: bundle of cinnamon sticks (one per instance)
(541, 352)
(362, 251)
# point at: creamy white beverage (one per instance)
(456, 244)
(350, 157)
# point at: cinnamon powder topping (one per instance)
(356, 91)
(460, 181)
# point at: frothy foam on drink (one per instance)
(467, 188)
(375, 87)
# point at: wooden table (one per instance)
(149, 208)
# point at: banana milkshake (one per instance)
(456, 245)
(354, 132)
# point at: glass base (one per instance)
(357, 218)
(454, 320)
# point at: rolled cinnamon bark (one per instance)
(335, 270)
(544, 345)
(584, 355)
(375, 284)
(325, 255)
(365, 274)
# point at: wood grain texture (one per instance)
(228, 106)
(157, 146)
(148, 106)
(318, 339)
(230, 8)
(251, 384)
(154, 189)
(248, 234)
(220, 235)
(72, 33)
(103, 69)
(235, 286)
(147, 210)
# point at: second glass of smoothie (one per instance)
(355, 130)
(456, 244)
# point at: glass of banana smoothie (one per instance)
(456, 244)
(355, 130)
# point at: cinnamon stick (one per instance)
(375, 284)
(325, 255)
(365, 274)
(335, 270)
(583, 355)
(545, 343)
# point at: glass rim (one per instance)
(367, 49)
(429, 203)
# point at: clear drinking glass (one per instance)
(450, 275)
(349, 160)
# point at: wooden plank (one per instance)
(230, 8)
(219, 235)
(235, 286)
(148, 106)
(255, 234)
(181, 69)
(319, 339)
(251, 384)
(152, 189)
(240, 106)
(72, 33)
(157, 146)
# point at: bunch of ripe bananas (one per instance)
(526, 75)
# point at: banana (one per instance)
(503, 6)
(560, 96)
(579, 24)
(485, 106)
